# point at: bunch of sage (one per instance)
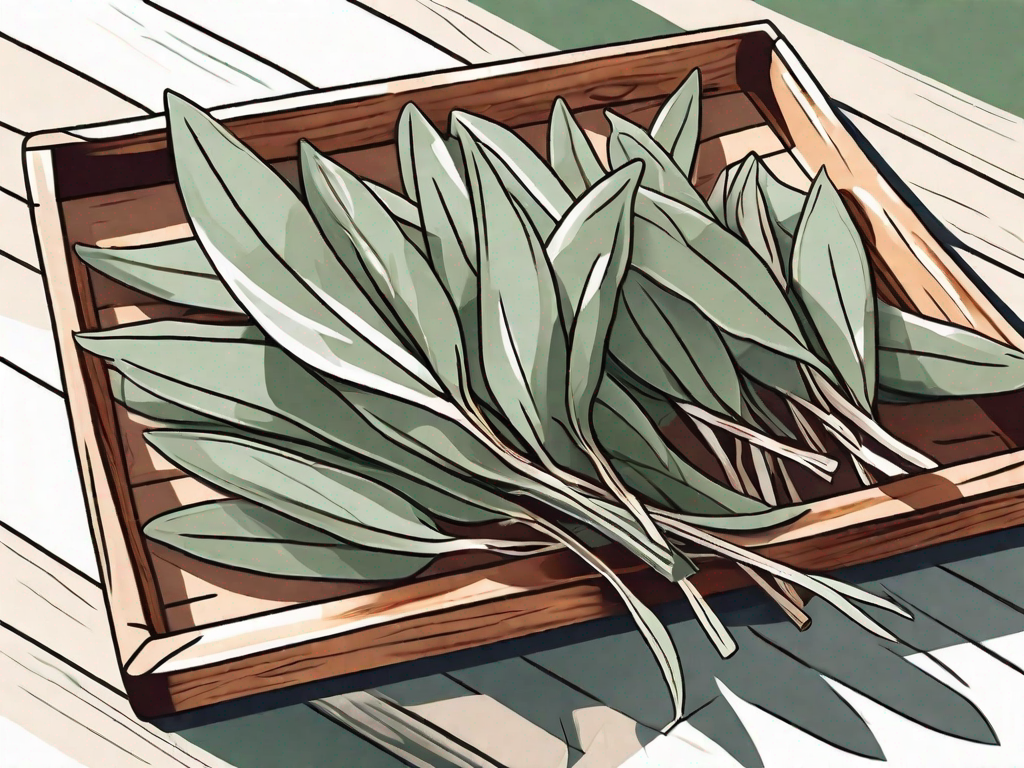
(500, 343)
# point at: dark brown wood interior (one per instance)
(132, 202)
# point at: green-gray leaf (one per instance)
(522, 337)
(146, 404)
(177, 272)
(693, 257)
(747, 214)
(605, 225)
(231, 373)
(923, 358)
(345, 505)
(245, 536)
(430, 176)
(832, 279)
(522, 172)
(667, 343)
(266, 247)
(396, 272)
(767, 367)
(570, 153)
(200, 366)
(628, 141)
(405, 213)
(629, 434)
(676, 127)
(447, 496)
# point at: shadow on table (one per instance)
(968, 591)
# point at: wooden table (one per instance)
(550, 701)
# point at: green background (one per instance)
(975, 46)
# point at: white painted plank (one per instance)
(978, 135)
(44, 95)
(463, 28)
(81, 717)
(986, 217)
(26, 337)
(45, 600)
(40, 492)
(16, 233)
(321, 42)
(137, 51)
(23, 749)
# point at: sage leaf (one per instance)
(767, 367)
(921, 358)
(325, 197)
(720, 193)
(522, 336)
(599, 245)
(628, 141)
(522, 173)
(405, 213)
(266, 247)
(449, 497)
(197, 365)
(747, 208)
(595, 242)
(691, 256)
(433, 168)
(654, 632)
(349, 507)
(676, 127)
(353, 219)
(144, 403)
(832, 279)
(667, 343)
(248, 537)
(570, 152)
(628, 432)
(178, 272)
(429, 176)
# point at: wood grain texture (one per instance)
(44, 96)
(415, 741)
(952, 124)
(81, 717)
(137, 52)
(65, 686)
(63, 612)
(92, 426)
(61, 608)
(322, 43)
(462, 28)
(16, 238)
(40, 489)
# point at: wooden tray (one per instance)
(190, 635)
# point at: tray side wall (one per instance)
(132, 603)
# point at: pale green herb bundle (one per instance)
(502, 343)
